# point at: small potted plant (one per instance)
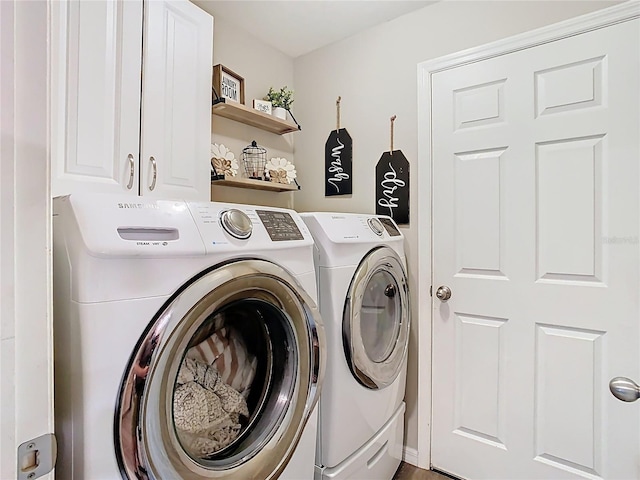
(281, 101)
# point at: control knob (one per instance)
(236, 223)
(375, 226)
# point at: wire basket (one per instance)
(254, 158)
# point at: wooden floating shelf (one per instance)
(243, 114)
(256, 184)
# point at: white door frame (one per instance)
(26, 328)
(568, 28)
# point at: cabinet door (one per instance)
(95, 76)
(176, 101)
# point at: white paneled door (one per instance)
(176, 101)
(96, 50)
(536, 227)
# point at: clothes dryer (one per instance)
(188, 344)
(364, 301)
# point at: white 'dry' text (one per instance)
(389, 186)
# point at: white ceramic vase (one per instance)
(279, 112)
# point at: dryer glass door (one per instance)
(376, 319)
(224, 380)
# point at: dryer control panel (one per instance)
(390, 226)
(344, 238)
(350, 227)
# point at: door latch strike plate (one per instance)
(37, 457)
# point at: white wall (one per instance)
(375, 73)
(261, 67)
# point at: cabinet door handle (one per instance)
(155, 173)
(131, 171)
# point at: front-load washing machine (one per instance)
(364, 302)
(188, 344)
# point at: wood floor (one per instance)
(409, 472)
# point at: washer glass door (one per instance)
(376, 319)
(224, 380)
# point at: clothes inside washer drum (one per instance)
(226, 350)
(206, 411)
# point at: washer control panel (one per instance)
(279, 225)
(234, 226)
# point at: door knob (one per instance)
(443, 293)
(624, 389)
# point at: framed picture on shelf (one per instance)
(263, 106)
(228, 84)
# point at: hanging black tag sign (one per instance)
(338, 152)
(392, 186)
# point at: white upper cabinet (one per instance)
(176, 101)
(95, 77)
(130, 116)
